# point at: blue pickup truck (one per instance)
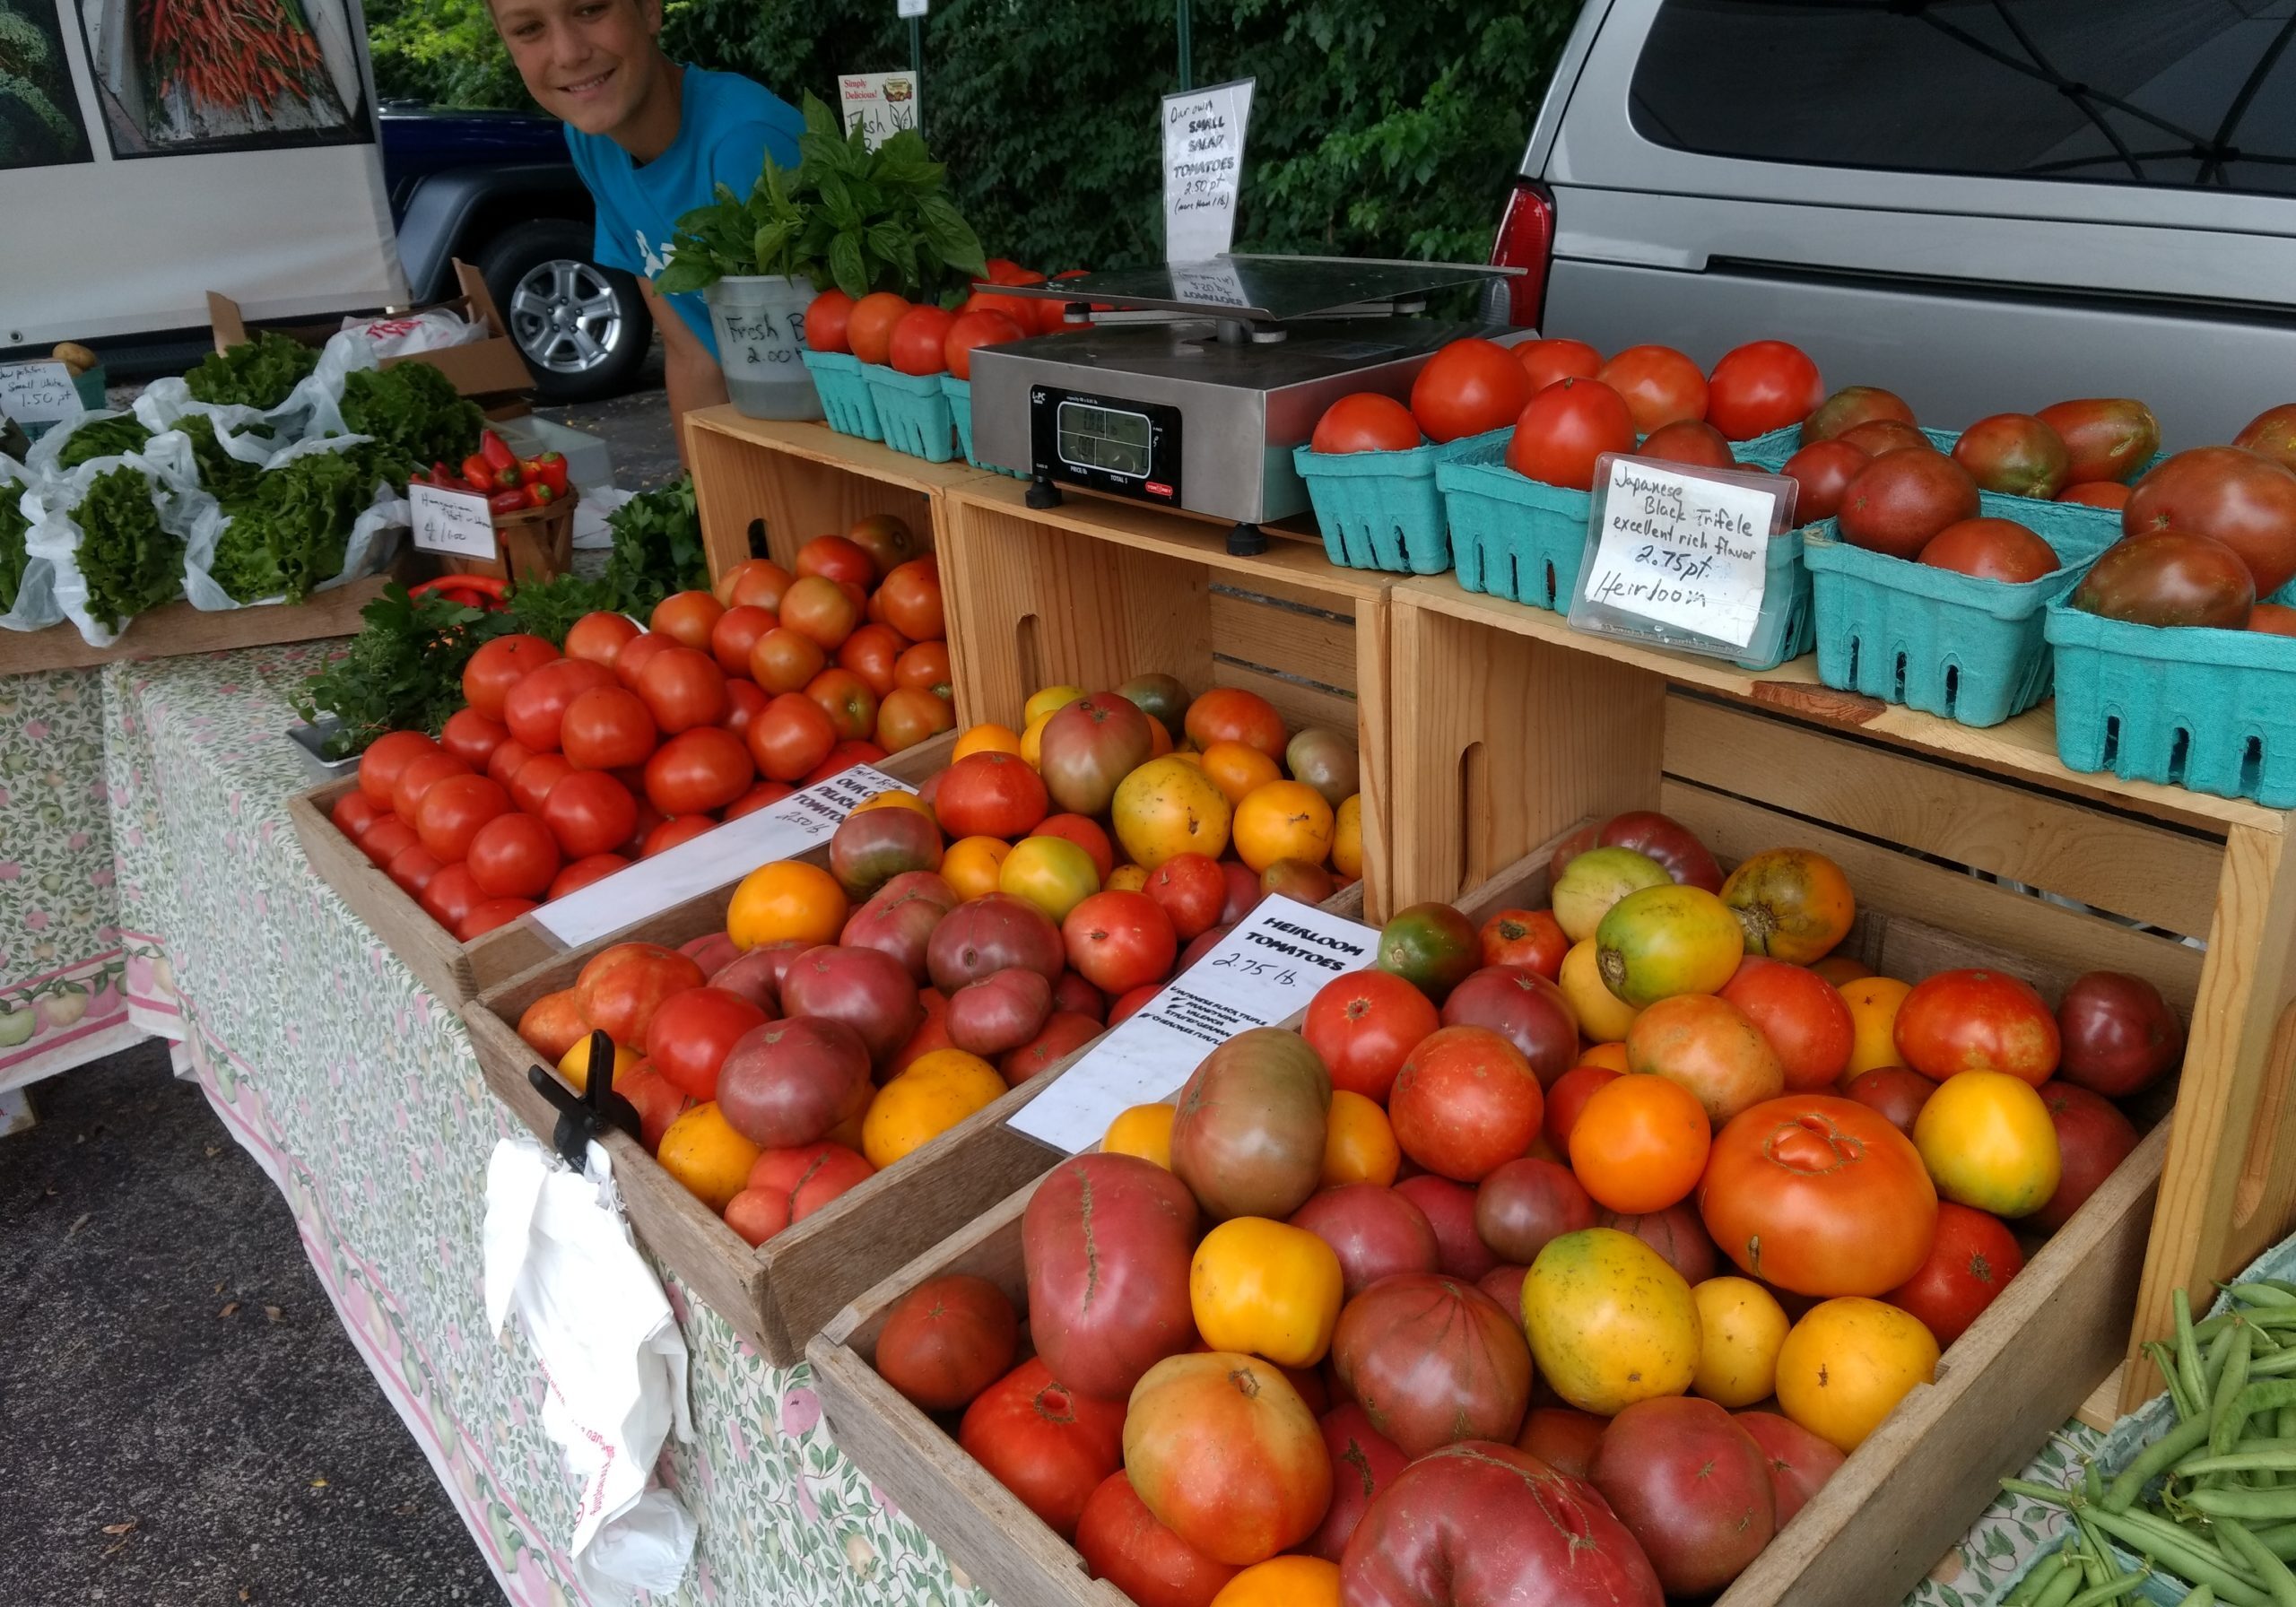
(497, 189)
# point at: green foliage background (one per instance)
(1377, 129)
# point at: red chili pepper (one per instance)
(496, 451)
(479, 472)
(512, 501)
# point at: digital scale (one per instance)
(1192, 394)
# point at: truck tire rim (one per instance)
(565, 316)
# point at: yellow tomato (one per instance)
(987, 737)
(1609, 1322)
(1238, 769)
(574, 1065)
(1874, 1004)
(1602, 1016)
(1145, 1131)
(1848, 1363)
(895, 799)
(1283, 1582)
(1267, 1288)
(1126, 879)
(702, 1151)
(790, 899)
(1347, 837)
(1032, 741)
(1989, 1143)
(1740, 1327)
(1283, 819)
(1051, 873)
(1359, 1142)
(973, 864)
(1169, 806)
(939, 1090)
(1048, 702)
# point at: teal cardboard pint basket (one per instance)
(960, 395)
(846, 400)
(1384, 510)
(914, 410)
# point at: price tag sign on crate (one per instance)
(39, 393)
(1679, 556)
(457, 523)
(1263, 972)
(776, 832)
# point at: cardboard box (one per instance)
(490, 371)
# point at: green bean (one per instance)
(2262, 1292)
(2049, 1493)
(2097, 1595)
(2275, 1363)
(2172, 1379)
(2038, 1578)
(2230, 1381)
(2199, 1596)
(2219, 1351)
(2185, 1554)
(2268, 1568)
(2276, 1506)
(2061, 1589)
(2237, 1461)
(2101, 1566)
(2270, 1395)
(2093, 1483)
(2189, 1351)
(2157, 1458)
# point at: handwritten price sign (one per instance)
(1204, 168)
(1678, 555)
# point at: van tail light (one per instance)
(1526, 241)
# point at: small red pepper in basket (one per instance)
(496, 452)
(479, 472)
(511, 501)
(549, 468)
(538, 494)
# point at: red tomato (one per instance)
(487, 914)
(1894, 1091)
(842, 756)
(497, 666)
(535, 708)
(1760, 387)
(989, 794)
(1659, 385)
(682, 688)
(912, 595)
(387, 839)
(509, 756)
(452, 811)
(583, 871)
(924, 666)
(1565, 427)
(1122, 1543)
(606, 728)
(2092, 1139)
(638, 653)
(537, 778)
(917, 341)
(678, 828)
(947, 1340)
(826, 316)
(590, 812)
(1119, 940)
(619, 991)
(1366, 422)
(784, 661)
(1822, 472)
(736, 632)
(699, 770)
(451, 895)
(513, 855)
(691, 1033)
(601, 636)
(1973, 1259)
(1568, 1098)
(471, 737)
(754, 582)
(1045, 1443)
(1465, 1102)
(847, 699)
(790, 736)
(1819, 1195)
(1530, 938)
(1691, 441)
(412, 867)
(1228, 714)
(385, 758)
(1193, 890)
(354, 813)
(1365, 1026)
(874, 653)
(758, 797)
(417, 777)
(744, 700)
(839, 557)
(1992, 550)
(1800, 1014)
(1469, 386)
(822, 608)
(686, 617)
(1546, 361)
(985, 327)
(1977, 1021)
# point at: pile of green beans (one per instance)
(2222, 1516)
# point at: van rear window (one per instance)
(2179, 93)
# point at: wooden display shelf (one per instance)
(175, 630)
(1519, 725)
(452, 969)
(1097, 591)
(1897, 1504)
(779, 1294)
(797, 480)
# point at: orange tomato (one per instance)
(1794, 904)
(1284, 819)
(925, 666)
(554, 1024)
(1848, 1363)
(1641, 1144)
(1238, 769)
(1145, 1131)
(702, 1151)
(786, 900)
(1874, 1004)
(1842, 969)
(687, 617)
(869, 329)
(1283, 1582)
(973, 865)
(1266, 1288)
(908, 716)
(1359, 1142)
(818, 607)
(754, 582)
(933, 1095)
(1168, 806)
(1611, 1057)
(987, 737)
(894, 800)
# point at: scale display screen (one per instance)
(1104, 438)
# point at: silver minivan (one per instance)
(1985, 206)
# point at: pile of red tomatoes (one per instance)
(1568, 1255)
(961, 940)
(564, 767)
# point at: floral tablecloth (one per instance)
(358, 1093)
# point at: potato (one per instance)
(74, 356)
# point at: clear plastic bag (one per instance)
(171, 477)
(431, 331)
(371, 544)
(246, 433)
(34, 608)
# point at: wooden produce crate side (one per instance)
(801, 479)
(1878, 1525)
(456, 970)
(177, 630)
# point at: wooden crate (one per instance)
(1518, 725)
(791, 482)
(1097, 591)
(455, 970)
(174, 629)
(1895, 1506)
(779, 1294)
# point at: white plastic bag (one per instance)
(431, 331)
(167, 465)
(372, 543)
(558, 1253)
(34, 608)
(246, 433)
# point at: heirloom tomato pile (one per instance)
(1558, 1259)
(961, 940)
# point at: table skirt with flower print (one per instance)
(358, 1093)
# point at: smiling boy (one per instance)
(650, 137)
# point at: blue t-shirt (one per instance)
(726, 127)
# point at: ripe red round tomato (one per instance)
(839, 557)
(1565, 427)
(1122, 1543)
(638, 652)
(536, 777)
(1802, 1015)
(682, 688)
(737, 631)
(1822, 472)
(1761, 387)
(582, 872)
(918, 340)
(1465, 1102)
(601, 636)
(1978, 1021)
(385, 758)
(2241, 499)
(354, 813)
(2120, 1036)
(2092, 1139)
(452, 811)
(1193, 890)
(947, 1340)
(984, 328)
(826, 316)
(471, 737)
(1819, 1195)
(691, 1033)
(874, 653)
(487, 913)
(745, 699)
(1469, 386)
(535, 708)
(1902, 498)
(1044, 1442)
(1548, 360)
(678, 828)
(1119, 940)
(1693, 441)
(699, 770)
(1992, 550)
(847, 699)
(1972, 1262)
(844, 756)
(1365, 1026)
(1568, 1098)
(1659, 385)
(417, 777)
(822, 609)
(590, 812)
(497, 666)
(990, 795)
(412, 867)
(1366, 422)
(911, 600)
(513, 855)
(450, 895)
(606, 728)
(790, 736)
(385, 840)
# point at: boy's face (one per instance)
(588, 62)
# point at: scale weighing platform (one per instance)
(1194, 392)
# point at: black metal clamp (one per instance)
(588, 1115)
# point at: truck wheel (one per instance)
(583, 329)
